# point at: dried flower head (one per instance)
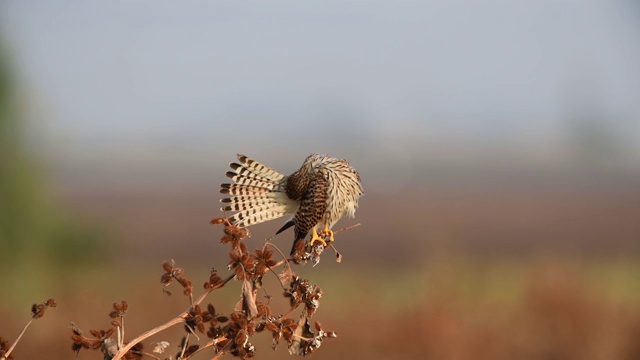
(302, 291)
(119, 309)
(265, 261)
(196, 318)
(214, 281)
(232, 233)
(171, 272)
(37, 310)
(306, 341)
(240, 329)
(282, 328)
(96, 342)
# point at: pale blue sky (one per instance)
(429, 80)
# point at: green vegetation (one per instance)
(34, 235)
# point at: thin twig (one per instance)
(347, 228)
(192, 331)
(119, 345)
(186, 342)
(6, 355)
(122, 331)
(285, 261)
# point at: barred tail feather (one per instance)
(261, 214)
(240, 203)
(251, 184)
(236, 189)
(252, 173)
(249, 170)
(258, 169)
(254, 209)
(258, 193)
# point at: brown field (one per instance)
(472, 272)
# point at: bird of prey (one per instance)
(318, 194)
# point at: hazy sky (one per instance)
(188, 78)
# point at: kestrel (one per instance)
(318, 194)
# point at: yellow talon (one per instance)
(326, 232)
(315, 237)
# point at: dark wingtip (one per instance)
(242, 158)
(231, 174)
(234, 166)
(225, 200)
(284, 227)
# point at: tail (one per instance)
(258, 193)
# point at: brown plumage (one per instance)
(319, 193)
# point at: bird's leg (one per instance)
(326, 231)
(315, 237)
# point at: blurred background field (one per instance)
(498, 143)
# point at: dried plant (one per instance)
(227, 333)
